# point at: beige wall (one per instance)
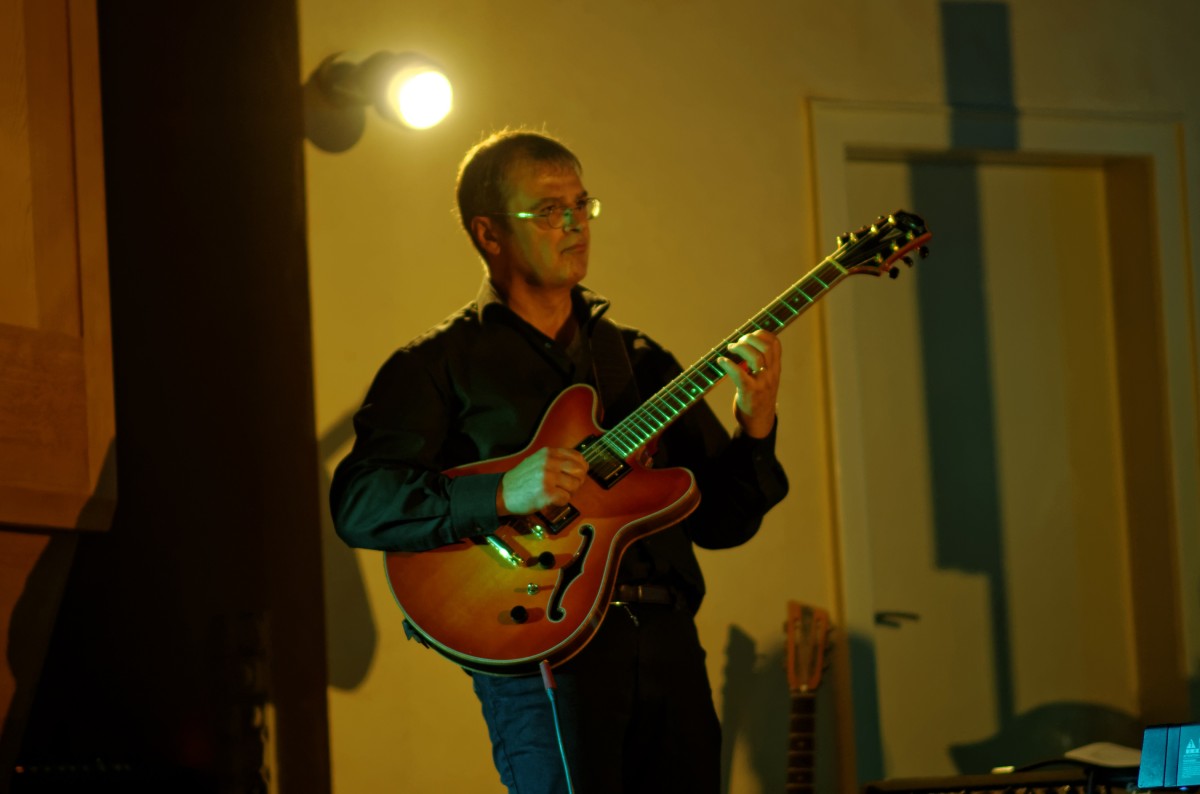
(690, 118)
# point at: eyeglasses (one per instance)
(559, 216)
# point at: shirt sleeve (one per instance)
(390, 492)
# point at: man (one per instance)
(635, 705)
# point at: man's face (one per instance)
(530, 251)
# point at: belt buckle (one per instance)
(627, 594)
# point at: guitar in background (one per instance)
(807, 635)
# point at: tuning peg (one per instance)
(842, 239)
(894, 273)
(907, 260)
(923, 251)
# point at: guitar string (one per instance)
(657, 413)
(684, 388)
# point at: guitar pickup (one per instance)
(604, 467)
(557, 519)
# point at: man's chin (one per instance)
(576, 270)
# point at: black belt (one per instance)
(643, 594)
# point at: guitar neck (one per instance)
(802, 744)
(669, 403)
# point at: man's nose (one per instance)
(574, 219)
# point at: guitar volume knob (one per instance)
(519, 614)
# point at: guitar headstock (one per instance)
(807, 639)
(876, 248)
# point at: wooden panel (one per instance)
(18, 298)
(56, 404)
(42, 417)
(48, 78)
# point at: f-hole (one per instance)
(569, 573)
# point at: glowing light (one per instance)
(421, 98)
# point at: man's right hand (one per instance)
(549, 476)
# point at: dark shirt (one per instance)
(476, 387)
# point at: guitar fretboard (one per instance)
(657, 413)
(801, 744)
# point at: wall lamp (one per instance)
(403, 87)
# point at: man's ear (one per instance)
(486, 233)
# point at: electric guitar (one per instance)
(537, 588)
(807, 633)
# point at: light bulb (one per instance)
(420, 97)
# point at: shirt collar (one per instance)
(589, 306)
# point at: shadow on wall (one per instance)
(350, 626)
(756, 710)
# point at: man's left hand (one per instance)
(756, 378)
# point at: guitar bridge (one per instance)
(604, 467)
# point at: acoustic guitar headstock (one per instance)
(807, 644)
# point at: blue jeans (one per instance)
(635, 707)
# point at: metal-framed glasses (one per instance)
(558, 216)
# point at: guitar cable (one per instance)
(551, 692)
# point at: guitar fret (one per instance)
(798, 291)
(623, 447)
(653, 406)
(650, 425)
(803, 724)
(639, 433)
(829, 260)
(812, 297)
(695, 390)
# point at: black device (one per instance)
(1170, 758)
